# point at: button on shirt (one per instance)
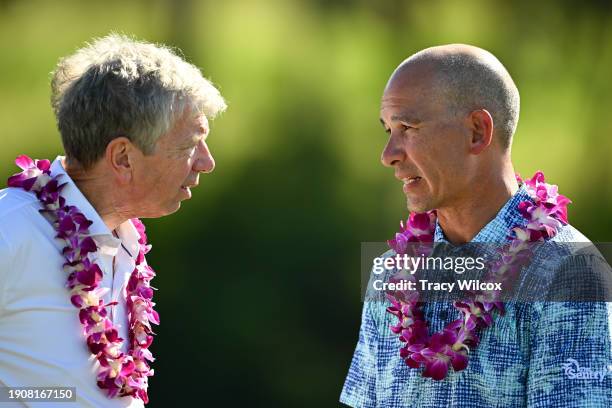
(41, 339)
(518, 363)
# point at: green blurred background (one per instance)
(259, 273)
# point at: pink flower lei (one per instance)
(120, 374)
(450, 347)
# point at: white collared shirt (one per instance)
(41, 339)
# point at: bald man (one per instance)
(450, 113)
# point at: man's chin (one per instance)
(416, 206)
(170, 209)
(173, 209)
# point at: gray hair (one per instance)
(471, 78)
(118, 86)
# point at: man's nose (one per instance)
(393, 153)
(204, 163)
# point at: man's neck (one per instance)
(98, 192)
(462, 221)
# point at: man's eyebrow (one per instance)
(405, 117)
(401, 118)
(188, 143)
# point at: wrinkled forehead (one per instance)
(194, 120)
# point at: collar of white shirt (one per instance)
(107, 243)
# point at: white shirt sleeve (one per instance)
(6, 260)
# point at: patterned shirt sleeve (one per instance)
(571, 353)
(360, 385)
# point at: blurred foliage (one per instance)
(259, 272)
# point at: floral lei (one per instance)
(120, 374)
(450, 347)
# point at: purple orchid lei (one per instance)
(120, 374)
(450, 347)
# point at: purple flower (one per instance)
(90, 276)
(31, 177)
(420, 221)
(399, 244)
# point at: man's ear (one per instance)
(481, 124)
(119, 157)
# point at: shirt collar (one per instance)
(129, 236)
(98, 230)
(498, 228)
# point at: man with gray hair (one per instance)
(450, 113)
(75, 297)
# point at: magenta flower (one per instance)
(33, 172)
(399, 244)
(547, 197)
(90, 277)
(439, 355)
(418, 228)
(50, 196)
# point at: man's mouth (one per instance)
(187, 188)
(410, 183)
(411, 180)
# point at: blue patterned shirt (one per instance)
(522, 359)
